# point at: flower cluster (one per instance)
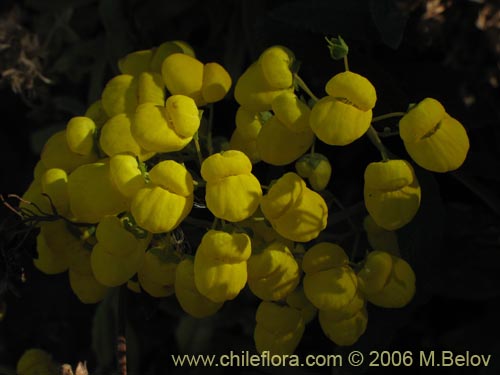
(126, 178)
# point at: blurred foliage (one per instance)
(63, 52)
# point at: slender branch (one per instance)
(304, 87)
(196, 139)
(374, 138)
(210, 145)
(346, 63)
(388, 115)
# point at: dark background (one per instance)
(55, 57)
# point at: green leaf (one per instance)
(389, 20)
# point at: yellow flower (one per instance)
(273, 272)
(118, 254)
(190, 299)
(380, 238)
(295, 211)
(265, 79)
(54, 183)
(278, 145)
(434, 139)
(166, 201)
(244, 137)
(36, 362)
(157, 274)
(120, 95)
(220, 267)
(135, 62)
(166, 49)
(329, 281)
(92, 194)
(150, 89)
(346, 113)
(292, 112)
(82, 280)
(80, 135)
(316, 168)
(183, 74)
(126, 175)
(216, 82)
(57, 154)
(232, 192)
(298, 300)
(166, 129)
(116, 138)
(387, 280)
(391, 193)
(97, 113)
(279, 329)
(343, 331)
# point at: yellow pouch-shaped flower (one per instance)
(338, 123)
(183, 74)
(352, 88)
(166, 49)
(166, 129)
(120, 95)
(82, 280)
(97, 113)
(253, 92)
(329, 282)
(292, 112)
(391, 193)
(80, 135)
(277, 145)
(118, 254)
(316, 168)
(232, 192)
(126, 175)
(241, 142)
(248, 123)
(190, 299)
(56, 154)
(116, 138)
(295, 211)
(216, 83)
(162, 205)
(398, 281)
(220, 268)
(157, 274)
(298, 300)
(135, 62)
(273, 273)
(380, 238)
(150, 89)
(54, 183)
(343, 331)
(279, 329)
(36, 362)
(275, 63)
(92, 194)
(49, 261)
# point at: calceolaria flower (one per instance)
(232, 192)
(391, 193)
(161, 205)
(273, 272)
(82, 279)
(36, 362)
(265, 79)
(295, 211)
(190, 299)
(434, 139)
(220, 265)
(157, 273)
(346, 113)
(387, 280)
(316, 168)
(279, 329)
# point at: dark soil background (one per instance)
(56, 56)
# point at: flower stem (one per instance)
(306, 88)
(210, 145)
(346, 63)
(388, 115)
(375, 139)
(196, 139)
